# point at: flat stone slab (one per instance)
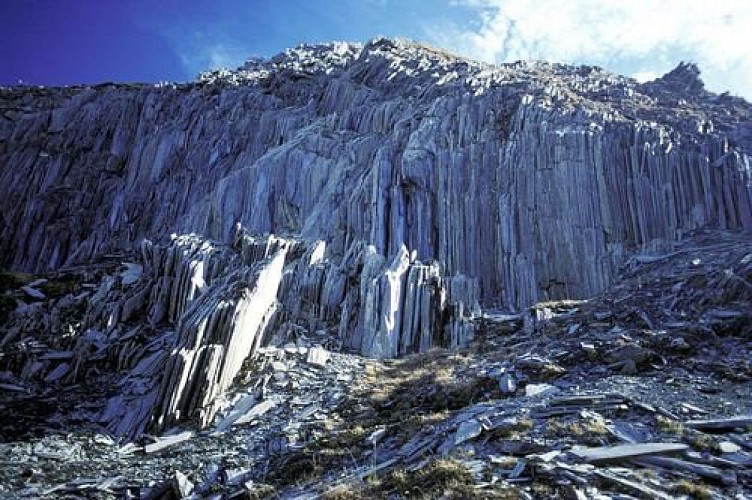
(467, 431)
(256, 411)
(33, 293)
(318, 356)
(533, 390)
(167, 441)
(720, 423)
(625, 451)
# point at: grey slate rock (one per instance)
(740, 421)
(467, 430)
(626, 451)
(507, 384)
(380, 194)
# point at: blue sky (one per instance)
(60, 42)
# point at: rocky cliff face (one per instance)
(376, 196)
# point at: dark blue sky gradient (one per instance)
(60, 42)
(67, 42)
(64, 42)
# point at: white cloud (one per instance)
(201, 49)
(645, 76)
(198, 54)
(222, 56)
(643, 38)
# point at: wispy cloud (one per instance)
(643, 38)
(199, 51)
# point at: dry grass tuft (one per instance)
(694, 490)
(669, 425)
(588, 431)
(442, 478)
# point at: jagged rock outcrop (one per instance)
(380, 194)
(507, 174)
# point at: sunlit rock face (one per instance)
(382, 193)
(531, 178)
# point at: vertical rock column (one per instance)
(219, 331)
(409, 307)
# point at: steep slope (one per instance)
(374, 196)
(659, 364)
(509, 175)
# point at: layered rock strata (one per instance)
(380, 194)
(531, 178)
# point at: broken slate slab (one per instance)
(720, 424)
(13, 388)
(633, 486)
(376, 436)
(519, 468)
(59, 372)
(630, 432)
(533, 390)
(544, 457)
(256, 411)
(626, 451)
(686, 407)
(701, 470)
(466, 431)
(416, 446)
(240, 409)
(56, 355)
(588, 400)
(507, 384)
(317, 356)
(728, 447)
(167, 441)
(132, 273)
(33, 293)
(183, 486)
(738, 459)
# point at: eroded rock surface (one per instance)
(532, 179)
(306, 421)
(374, 197)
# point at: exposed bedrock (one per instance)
(175, 330)
(532, 179)
(380, 194)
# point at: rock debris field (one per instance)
(377, 271)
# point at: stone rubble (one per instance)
(677, 426)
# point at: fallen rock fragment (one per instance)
(255, 412)
(374, 438)
(318, 356)
(588, 400)
(540, 390)
(467, 430)
(720, 424)
(241, 408)
(167, 441)
(14, 388)
(701, 470)
(507, 384)
(183, 486)
(625, 451)
(728, 447)
(33, 293)
(59, 372)
(132, 273)
(633, 486)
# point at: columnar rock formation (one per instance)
(381, 193)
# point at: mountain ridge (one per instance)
(382, 200)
